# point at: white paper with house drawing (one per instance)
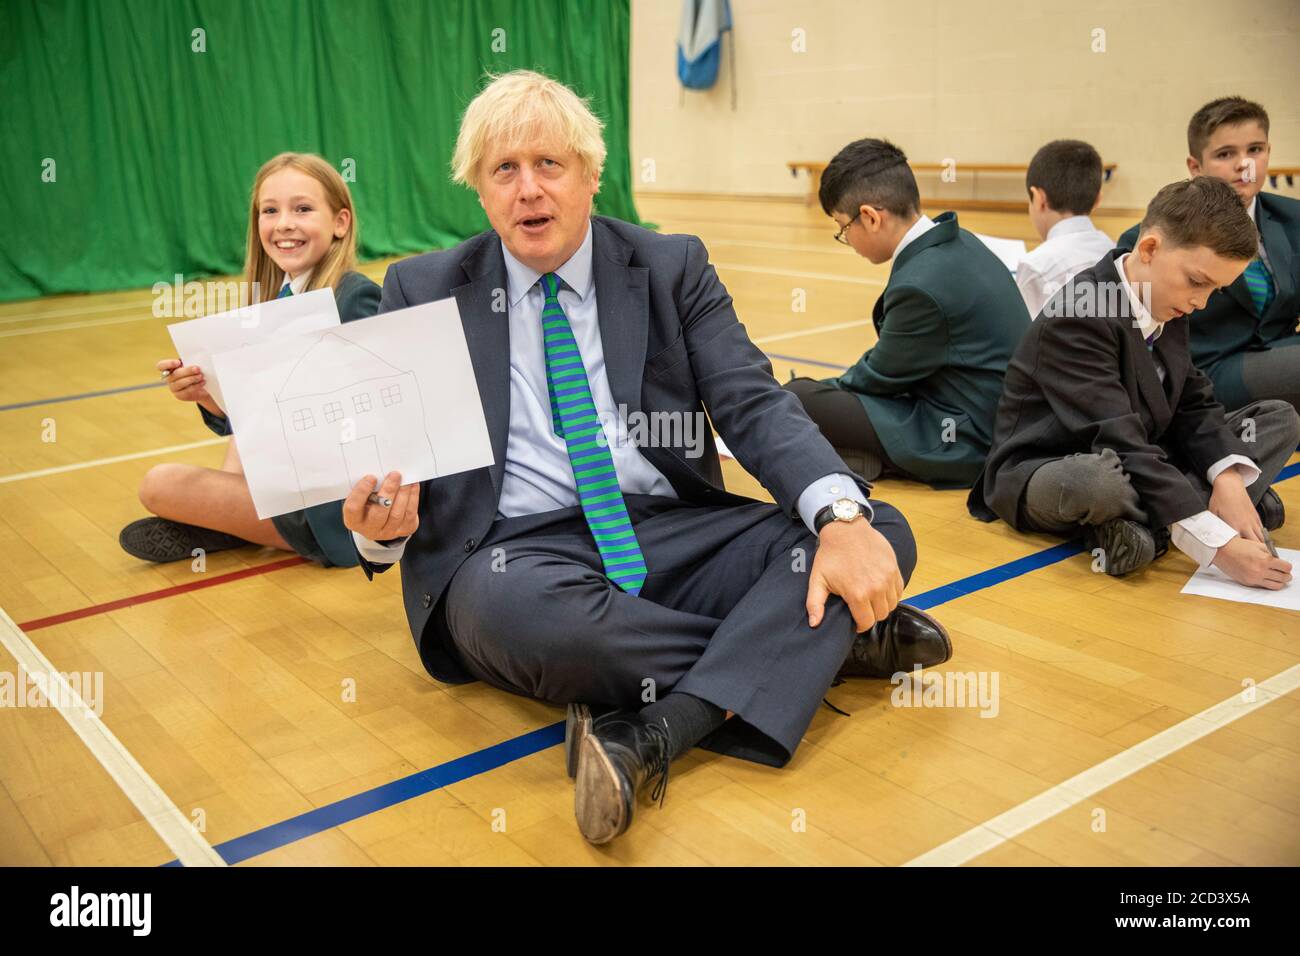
(315, 413)
(198, 340)
(1213, 583)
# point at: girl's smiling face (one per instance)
(295, 222)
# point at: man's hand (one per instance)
(376, 522)
(856, 562)
(1249, 563)
(188, 384)
(1230, 502)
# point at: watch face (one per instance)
(845, 509)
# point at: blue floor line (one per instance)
(335, 814)
(159, 384)
(398, 791)
(417, 784)
(806, 361)
(73, 398)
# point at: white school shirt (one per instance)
(295, 285)
(1072, 245)
(919, 228)
(1202, 535)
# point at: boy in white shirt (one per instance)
(1064, 183)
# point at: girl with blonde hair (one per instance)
(301, 236)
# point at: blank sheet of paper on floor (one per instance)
(1214, 583)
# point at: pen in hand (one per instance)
(1268, 540)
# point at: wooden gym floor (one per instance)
(1122, 732)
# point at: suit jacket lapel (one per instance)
(1171, 348)
(878, 310)
(1279, 251)
(1148, 379)
(623, 310)
(487, 334)
(945, 229)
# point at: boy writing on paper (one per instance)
(1106, 425)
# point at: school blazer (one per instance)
(1229, 324)
(946, 325)
(1084, 381)
(672, 344)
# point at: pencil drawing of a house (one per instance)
(342, 407)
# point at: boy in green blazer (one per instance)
(920, 403)
(1245, 338)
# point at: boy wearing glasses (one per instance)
(920, 403)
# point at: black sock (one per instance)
(689, 720)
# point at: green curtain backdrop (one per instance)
(155, 145)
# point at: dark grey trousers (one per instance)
(1274, 373)
(721, 616)
(1091, 489)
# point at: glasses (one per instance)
(839, 236)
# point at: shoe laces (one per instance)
(659, 767)
(842, 713)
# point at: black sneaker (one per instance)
(1126, 546)
(1271, 512)
(162, 540)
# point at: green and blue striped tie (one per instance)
(573, 412)
(1260, 285)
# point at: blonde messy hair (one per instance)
(519, 106)
(339, 259)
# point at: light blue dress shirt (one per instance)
(538, 476)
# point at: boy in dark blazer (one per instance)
(1244, 336)
(920, 403)
(1105, 423)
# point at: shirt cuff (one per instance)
(1248, 470)
(377, 553)
(825, 490)
(1201, 536)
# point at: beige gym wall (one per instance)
(972, 81)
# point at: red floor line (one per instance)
(148, 596)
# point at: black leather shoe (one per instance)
(162, 540)
(898, 643)
(1126, 546)
(1271, 512)
(620, 756)
(577, 724)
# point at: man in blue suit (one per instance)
(586, 570)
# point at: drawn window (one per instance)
(361, 402)
(333, 411)
(391, 394)
(303, 420)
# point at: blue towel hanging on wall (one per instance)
(699, 42)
